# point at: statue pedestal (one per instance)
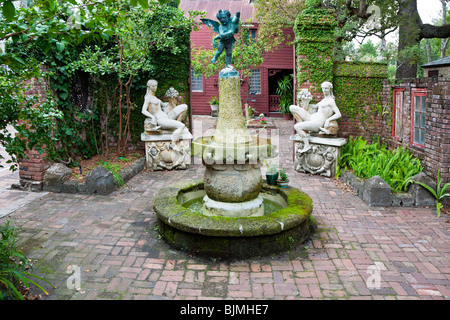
(321, 158)
(163, 154)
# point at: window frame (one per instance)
(417, 92)
(192, 82)
(397, 132)
(250, 82)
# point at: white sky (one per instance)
(429, 10)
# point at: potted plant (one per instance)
(283, 180)
(251, 112)
(284, 90)
(271, 173)
(214, 103)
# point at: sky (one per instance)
(429, 10)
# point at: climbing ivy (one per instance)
(314, 33)
(356, 85)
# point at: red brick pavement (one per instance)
(357, 252)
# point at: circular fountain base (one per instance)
(252, 208)
(232, 237)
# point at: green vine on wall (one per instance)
(356, 85)
(314, 33)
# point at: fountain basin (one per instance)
(232, 237)
(216, 152)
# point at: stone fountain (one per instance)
(232, 212)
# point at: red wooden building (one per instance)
(262, 81)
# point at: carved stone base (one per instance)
(163, 154)
(321, 158)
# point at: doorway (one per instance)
(276, 75)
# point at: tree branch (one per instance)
(428, 31)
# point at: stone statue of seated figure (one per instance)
(323, 120)
(157, 119)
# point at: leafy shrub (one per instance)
(14, 266)
(368, 160)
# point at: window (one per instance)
(197, 81)
(250, 36)
(397, 125)
(255, 81)
(419, 97)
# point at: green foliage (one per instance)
(368, 160)
(117, 45)
(314, 33)
(214, 101)
(284, 90)
(357, 86)
(14, 266)
(439, 193)
(34, 122)
(283, 175)
(271, 168)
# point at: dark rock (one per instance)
(422, 197)
(100, 181)
(376, 192)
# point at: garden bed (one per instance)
(97, 175)
(87, 165)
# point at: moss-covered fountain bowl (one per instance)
(231, 237)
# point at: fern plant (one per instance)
(14, 266)
(439, 193)
(367, 160)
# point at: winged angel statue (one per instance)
(227, 28)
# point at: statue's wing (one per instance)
(212, 24)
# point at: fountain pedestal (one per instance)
(163, 154)
(232, 172)
(322, 158)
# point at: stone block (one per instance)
(132, 170)
(422, 197)
(55, 176)
(376, 192)
(403, 199)
(70, 186)
(100, 181)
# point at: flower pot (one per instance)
(282, 183)
(214, 107)
(272, 179)
(287, 116)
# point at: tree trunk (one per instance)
(444, 42)
(409, 36)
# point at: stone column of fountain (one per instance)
(232, 177)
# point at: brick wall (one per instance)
(435, 154)
(32, 169)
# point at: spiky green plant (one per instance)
(14, 266)
(439, 193)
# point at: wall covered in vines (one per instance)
(356, 85)
(84, 80)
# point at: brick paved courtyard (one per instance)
(114, 242)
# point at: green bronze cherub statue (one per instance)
(227, 28)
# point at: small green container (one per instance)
(272, 179)
(283, 183)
